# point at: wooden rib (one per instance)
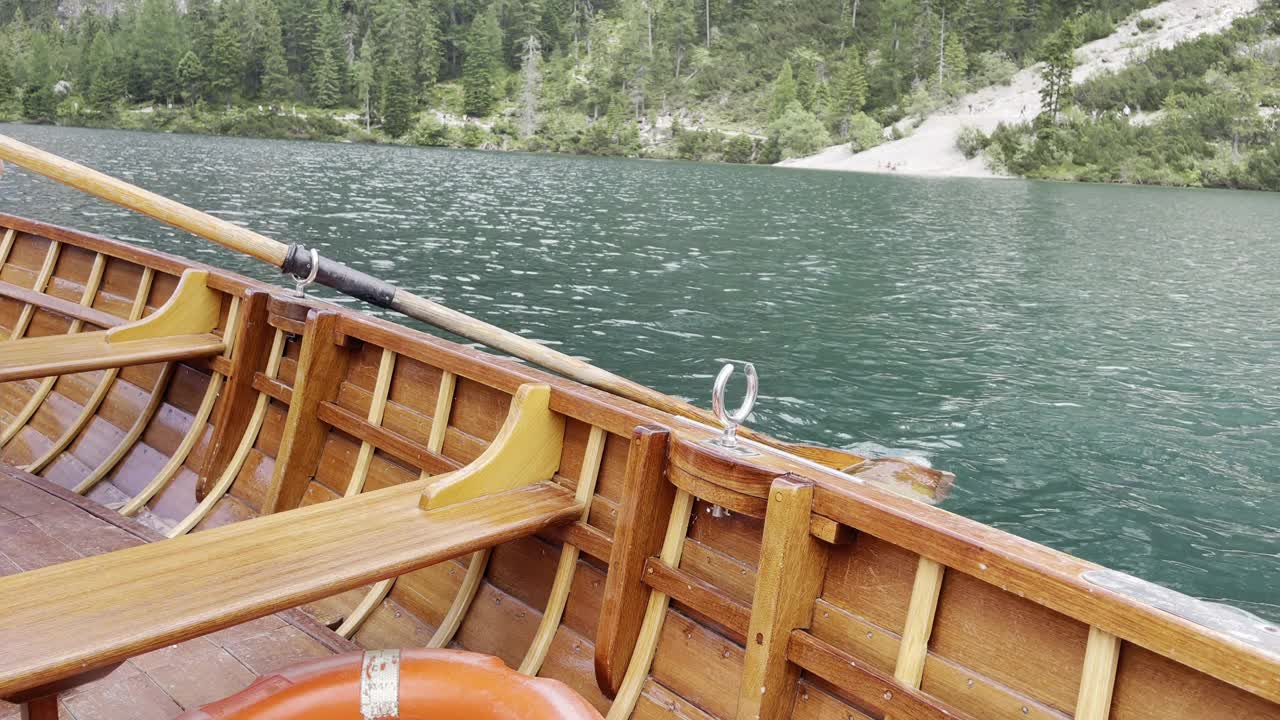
(479, 559)
(91, 406)
(34, 402)
(914, 648)
(242, 450)
(365, 607)
(42, 281)
(135, 431)
(444, 406)
(7, 244)
(198, 423)
(537, 652)
(377, 406)
(655, 614)
(1101, 657)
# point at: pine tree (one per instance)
(157, 47)
(397, 110)
(227, 62)
(850, 94)
(365, 76)
(430, 47)
(191, 77)
(326, 61)
(38, 102)
(955, 60)
(784, 91)
(106, 85)
(276, 83)
(6, 76)
(532, 77)
(480, 64)
(1058, 56)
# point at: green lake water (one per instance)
(1099, 365)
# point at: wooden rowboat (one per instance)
(203, 478)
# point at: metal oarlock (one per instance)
(731, 421)
(301, 283)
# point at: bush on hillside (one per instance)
(430, 132)
(864, 133)
(799, 132)
(993, 67)
(971, 141)
(739, 149)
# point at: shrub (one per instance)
(971, 141)
(864, 133)
(799, 132)
(430, 131)
(993, 68)
(739, 149)
(1148, 24)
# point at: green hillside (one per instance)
(1203, 113)
(738, 80)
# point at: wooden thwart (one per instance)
(96, 611)
(179, 330)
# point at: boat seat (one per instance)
(179, 330)
(42, 523)
(67, 619)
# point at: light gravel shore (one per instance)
(931, 149)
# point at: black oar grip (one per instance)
(344, 279)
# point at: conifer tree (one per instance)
(851, 83)
(365, 77)
(784, 91)
(397, 110)
(276, 83)
(480, 64)
(326, 61)
(191, 77)
(106, 83)
(227, 62)
(157, 47)
(1058, 56)
(6, 75)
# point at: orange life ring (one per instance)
(416, 684)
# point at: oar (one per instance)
(297, 260)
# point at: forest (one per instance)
(1204, 113)
(733, 80)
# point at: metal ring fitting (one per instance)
(301, 283)
(733, 420)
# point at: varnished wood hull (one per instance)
(840, 600)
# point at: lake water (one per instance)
(1100, 366)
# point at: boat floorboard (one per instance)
(42, 524)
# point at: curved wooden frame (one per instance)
(380, 589)
(198, 423)
(140, 423)
(34, 402)
(655, 614)
(100, 391)
(377, 407)
(247, 442)
(550, 623)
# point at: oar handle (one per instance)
(91, 181)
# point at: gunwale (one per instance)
(1014, 566)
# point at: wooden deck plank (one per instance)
(97, 611)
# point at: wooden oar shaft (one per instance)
(272, 251)
(161, 208)
(263, 248)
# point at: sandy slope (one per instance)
(931, 150)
